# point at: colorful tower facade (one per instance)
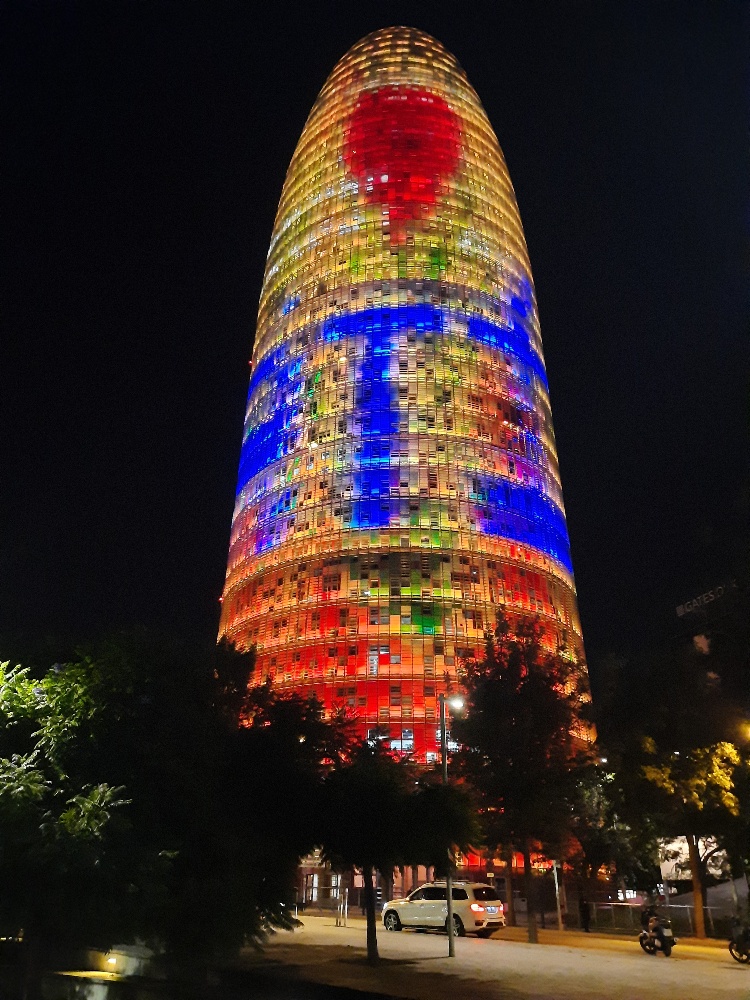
(398, 482)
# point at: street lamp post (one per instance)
(455, 702)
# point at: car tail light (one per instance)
(477, 908)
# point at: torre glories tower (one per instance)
(398, 482)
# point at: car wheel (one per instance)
(737, 954)
(484, 933)
(391, 921)
(458, 927)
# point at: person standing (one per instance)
(584, 910)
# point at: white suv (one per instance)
(476, 909)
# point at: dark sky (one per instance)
(144, 146)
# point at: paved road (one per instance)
(585, 967)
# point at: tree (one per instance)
(693, 796)
(158, 718)
(60, 862)
(604, 838)
(141, 798)
(673, 739)
(520, 751)
(379, 817)
(279, 759)
(736, 840)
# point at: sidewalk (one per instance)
(570, 937)
(568, 965)
(578, 939)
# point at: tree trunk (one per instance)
(387, 886)
(372, 935)
(414, 877)
(528, 881)
(695, 871)
(31, 986)
(509, 887)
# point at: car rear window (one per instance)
(459, 894)
(485, 892)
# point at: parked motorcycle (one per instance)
(657, 936)
(739, 946)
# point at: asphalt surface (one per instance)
(563, 966)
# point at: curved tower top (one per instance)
(398, 482)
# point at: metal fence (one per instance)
(612, 916)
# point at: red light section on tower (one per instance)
(402, 143)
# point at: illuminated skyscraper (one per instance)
(398, 481)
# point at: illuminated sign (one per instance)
(708, 597)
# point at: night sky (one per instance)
(143, 153)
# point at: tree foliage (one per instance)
(380, 815)
(519, 748)
(147, 793)
(57, 830)
(603, 838)
(519, 745)
(677, 747)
